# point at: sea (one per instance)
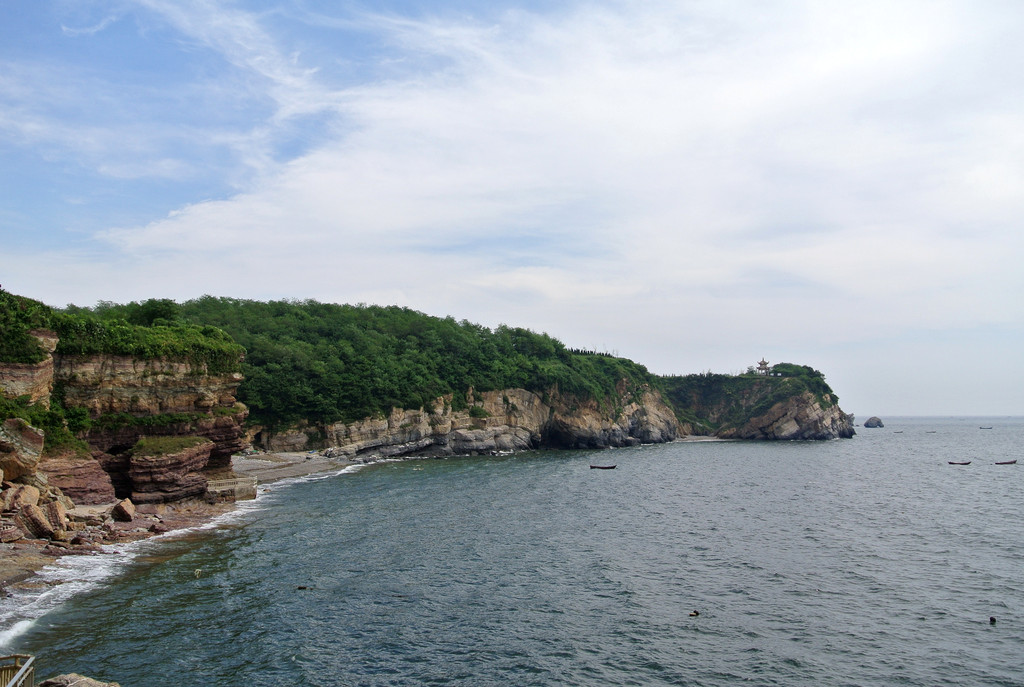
(865, 561)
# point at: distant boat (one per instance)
(1007, 462)
(602, 467)
(984, 428)
(953, 462)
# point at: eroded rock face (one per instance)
(507, 420)
(20, 447)
(798, 417)
(82, 479)
(32, 380)
(119, 384)
(193, 402)
(169, 477)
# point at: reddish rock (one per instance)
(170, 477)
(33, 520)
(56, 514)
(124, 511)
(10, 532)
(17, 496)
(82, 479)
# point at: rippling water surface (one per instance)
(869, 561)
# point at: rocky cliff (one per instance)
(497, 421)
(34, 380)
(798, 417)
(124, 399)
(759, 407)
(129, 398)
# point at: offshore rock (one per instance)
(873, 423)
(127, 397)
(496, 422)
(152, 397)
(798, 417)
(74, 680)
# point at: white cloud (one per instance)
(671, 180)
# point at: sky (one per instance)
(691, 184)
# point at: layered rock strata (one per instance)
(170, 476)
(498, 421)
(20, 447)
(178, 398)
(34, 380)
(798, 417)
(126, 399)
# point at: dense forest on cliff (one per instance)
(710, 401)
(82, 332)
(323, 363)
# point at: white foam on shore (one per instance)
(66, 577)
(72, 575)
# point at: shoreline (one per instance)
(22, 561)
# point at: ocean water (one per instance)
(868, 561)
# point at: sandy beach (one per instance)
(20, 560)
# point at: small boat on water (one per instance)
(984, 428)
(602, 467)
(953, 462)
(1006, 462)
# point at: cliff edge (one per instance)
(786, 402)
(496, 422)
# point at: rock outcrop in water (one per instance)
(75, 680)
(873, 423)
(498, 421)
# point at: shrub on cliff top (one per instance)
(161, 446)
(54, 421)
(18, 316)
(203, 346)
(154, 331)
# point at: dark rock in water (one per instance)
(75, 680)
(873, 422)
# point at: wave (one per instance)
(73, 575)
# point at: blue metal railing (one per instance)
(17, 670)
